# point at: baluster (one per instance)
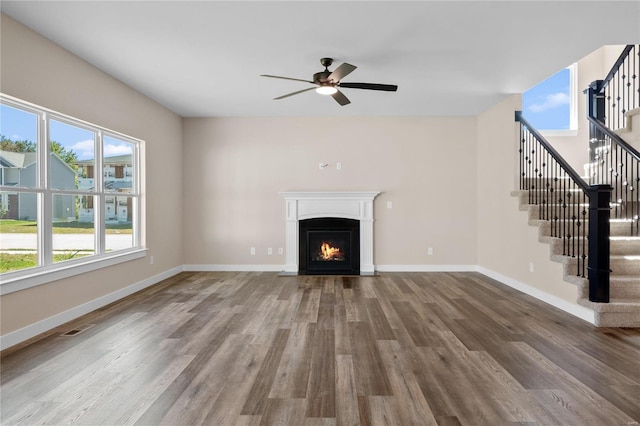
(635, 217)
(520, 150)
(529, 143)
(635, 77)
(572, 234)
(618, 109)
(564, 212)
(630, 104)
(583, 234)
(547, 185)
(625, 183)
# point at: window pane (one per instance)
(73, 227)
(18, 231)
(119, 215)
(547, 106)
(18, 157)
(72, 156)
(118, 165)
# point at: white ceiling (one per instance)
(204, 58)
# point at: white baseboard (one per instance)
(234, 268)
(574, 309)
(25, 333)
(426, 268)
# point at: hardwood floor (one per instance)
(262, 349)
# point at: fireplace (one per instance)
(329, 246)
(355, 205)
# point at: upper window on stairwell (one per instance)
(551, 105)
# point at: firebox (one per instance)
(329, 246)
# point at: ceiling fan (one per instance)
(328, 82)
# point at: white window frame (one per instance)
(47, 271)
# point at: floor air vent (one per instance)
(77, 330)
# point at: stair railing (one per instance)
(612, 160)
(577, 212)
(619, 92)
(617, 164)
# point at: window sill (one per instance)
(21, 280)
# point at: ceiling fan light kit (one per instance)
(327, 82)
(326, 90)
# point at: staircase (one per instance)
(623, 310)
(571, 211)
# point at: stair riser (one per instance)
(621, 267)
(624, 290)
(625, 266)
(617, 319)
(616, 248)
(617, 290)
(618, 229)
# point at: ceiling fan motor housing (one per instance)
(322, 78)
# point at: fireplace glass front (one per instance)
(329, 246)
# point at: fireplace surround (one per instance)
(355, 205)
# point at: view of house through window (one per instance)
(69, 190)
(551, 104)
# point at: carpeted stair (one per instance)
(624, 307)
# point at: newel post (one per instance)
(599, 230)
(595, 109)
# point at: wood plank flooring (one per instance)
(223, 348)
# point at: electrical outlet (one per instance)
(269, 251)
(530, 266)
(338, 166)
(430, 251)
(151, 260)
(389, 205)
(253, 251)
(280, 250)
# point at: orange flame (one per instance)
(329, 252)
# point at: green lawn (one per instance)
(9, 226)
(14, 262)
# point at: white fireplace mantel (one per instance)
(356, 205)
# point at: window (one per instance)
(551, 106)
(62, 211)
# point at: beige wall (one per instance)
(38, 71)
(506, 243)
(234, 169)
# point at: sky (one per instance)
(17, 124)
(546, 105)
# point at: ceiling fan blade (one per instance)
(293, 93)
(342, 71)
(370, 86)
(341, 98)
(286, 78)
